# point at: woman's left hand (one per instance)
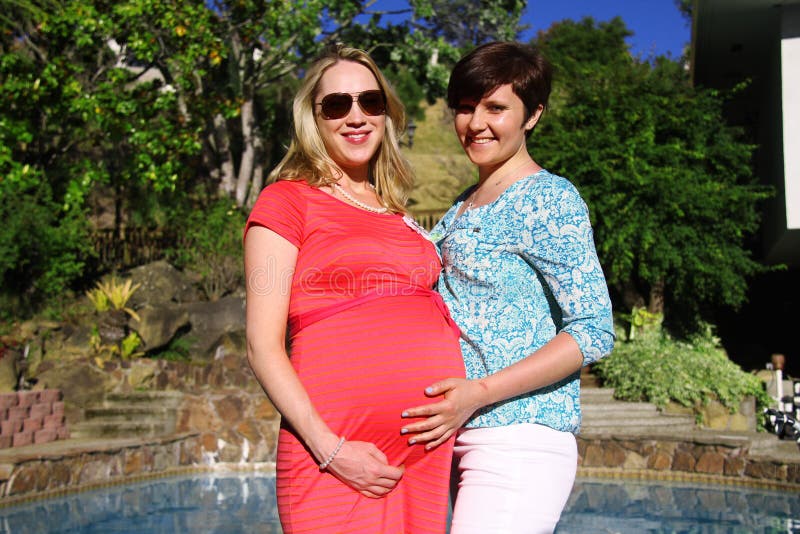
(443, 418)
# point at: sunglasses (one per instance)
(337, 105)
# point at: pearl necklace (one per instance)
(345, 194)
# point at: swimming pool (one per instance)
(245, 502)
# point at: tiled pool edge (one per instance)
(681, 477)
(63, 467)
(267, 468)
(47, 469)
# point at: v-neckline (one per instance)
(459, 213)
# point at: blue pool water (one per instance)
(245, 503)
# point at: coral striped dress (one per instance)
(362, 361)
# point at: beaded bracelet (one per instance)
(324, 465)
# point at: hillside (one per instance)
(442, 168)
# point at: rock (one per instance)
(230, 450)
(229, 408)
(137, 461)
(719, 417)
(249, 431)
(710, 462)
(81, 383)
(613, 456)
(27, 329)
(95, 471)
(264, 410)
(210, 320)
(197, 414)
(8, 371)
(28, 478)
(659, 461)
(70, 343)
(191, 453)
(593, 457)
(161, 284)
(111, 326)
(634, 461)
(142, 374)
(158, 325)
(229, 343)
(734, 466)
(683, 461)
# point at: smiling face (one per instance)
(352, 140)
(492, 129)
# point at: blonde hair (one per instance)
(307, 159)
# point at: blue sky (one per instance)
(658, 26)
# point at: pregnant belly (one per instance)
(363, 367)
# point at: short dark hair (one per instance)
(491, 65)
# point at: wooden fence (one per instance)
(129, 247)
(132, 246)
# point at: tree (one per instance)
(686, 7)
(466, 23)
(44, 240)
(162, 106)
(670, 186)
(233, 66)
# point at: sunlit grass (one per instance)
(442, 168)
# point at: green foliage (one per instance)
(655, 367)
(109, 296)
(686, 7)
(128, 110)
(466, 23)
(641, 321)
(43, 246)
(128, 346)
(177, 350)
(211, 245)
(670, 186)
(411, 93)
(113, 294)
(125, 349)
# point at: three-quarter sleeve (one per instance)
(558, 242)
(281, 208)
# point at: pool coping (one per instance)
(55, 451)
(684, 477)
(268, 468)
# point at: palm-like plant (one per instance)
(113, 294)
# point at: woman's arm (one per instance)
(269, 264)
(556, 360)
(561, 247)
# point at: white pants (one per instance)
(513, 479)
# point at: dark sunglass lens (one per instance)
(336, 105)
(372, 102)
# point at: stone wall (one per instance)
(223, 403)
(74, 464)
(226, 419)
(727, 457)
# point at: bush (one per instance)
(211, 245)
(656, 368)
(43, 248)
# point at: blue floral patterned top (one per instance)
(517, 272)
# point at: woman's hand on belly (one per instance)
(462, 398)
(365, 468)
